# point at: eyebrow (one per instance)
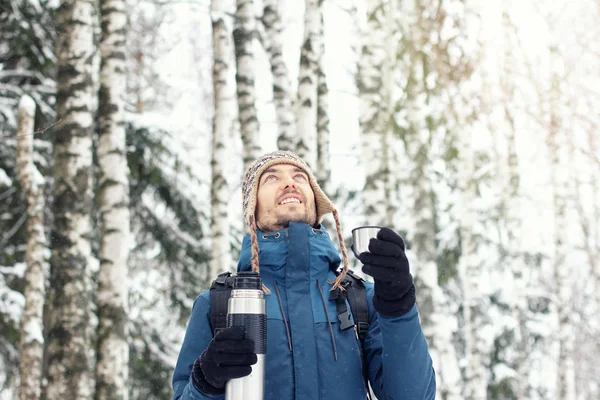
(275, 170)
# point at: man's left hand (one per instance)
(386, 262)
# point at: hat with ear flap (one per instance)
(323, 204)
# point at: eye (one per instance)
(270, 178)
(300, 177)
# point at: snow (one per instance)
(4, 179)
(185, 67)
(11, 302)
(27, 104)
(33, 331)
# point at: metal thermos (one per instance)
(246, 308)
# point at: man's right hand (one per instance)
(229, 355)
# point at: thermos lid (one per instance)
(247, 280)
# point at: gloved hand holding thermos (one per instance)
(234, 360)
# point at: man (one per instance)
(308, 355)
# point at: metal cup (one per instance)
(361, 237)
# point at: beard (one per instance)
(295, 215)
(277, 221)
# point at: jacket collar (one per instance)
(274, 247)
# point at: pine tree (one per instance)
(112, 368)
(169, 265)
(68, 351)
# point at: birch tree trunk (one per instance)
(323, 134)
(373, 111)
(221, 252)
(32, 183)
(512, 204)
(595, 233)
(323, 171)
(70, 365)
(282, 89)
(558, 146)
(308, 80)
(476, 369)
(519, 268)
(244, 33)
(112, 369)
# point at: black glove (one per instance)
(386, 262)
(229, 355)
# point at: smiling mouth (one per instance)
(290, 200)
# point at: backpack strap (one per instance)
(220, 290)
(356, 294)
(357, 298)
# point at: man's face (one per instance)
(284, 196)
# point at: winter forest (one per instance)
(468, 126)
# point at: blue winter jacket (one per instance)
(299, 259)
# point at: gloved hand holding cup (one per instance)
(382, 252)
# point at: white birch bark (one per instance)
(512, 204)
(112, 369)
(519, 268)
(282, 88)
(558, 146)
(244, 33)
(308, 80)
(433, 306)
(32, 183)
(373, 111)
(69, 362)
(221, 251)
(476, 372)
(323, 170)
(390, 63)
(595, 229)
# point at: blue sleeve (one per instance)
(197, 337)
(397, 356)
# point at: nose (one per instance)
(288, 182)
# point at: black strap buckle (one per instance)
(345, 320)
(221, 279)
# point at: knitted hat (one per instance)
(322, 202)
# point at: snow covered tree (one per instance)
(32, 183)
(374, 85)
(308, 80)
(424, 116)
(169, 263)
(26, 69)
(69, 361)
(222, 119)
(558, 147)
(145, 87)
(323, 169)
(244, 33)
(28, 59)
(112, 367)
(282, 88)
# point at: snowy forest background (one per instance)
(468, 126)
